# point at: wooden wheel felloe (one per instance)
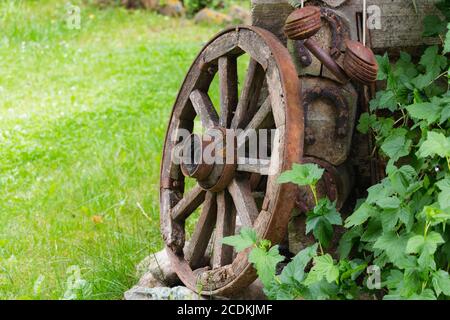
(227, 194)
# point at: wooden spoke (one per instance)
(256, 122)
(245, 204)
(204, 109)
(225, 225)
(191, 201)
(228, 82)
(261, 115)
(195, 251)
(258, 194)
(262, 167)
(248, 102)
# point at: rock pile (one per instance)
(158, 281)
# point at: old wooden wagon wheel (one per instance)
(230, 192)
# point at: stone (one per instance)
(151, 4)
(148, 280)
(240, 14)
(298, 240)
(161, 293)
(209, 16)
(156, 268)
(172, 8)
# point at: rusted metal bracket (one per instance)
(334, 95)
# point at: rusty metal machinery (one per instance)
(330, 98)
(308, 77)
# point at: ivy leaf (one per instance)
(433, 64)
(430, 112)
(389, 219)
(433, 61)
(321, 290)
(265, 263)
(389, 202)
(383, 126)
(384, 100)
(394, 246)
(324, 233)
(351, 269)
(302, 174)
(435, 215)
(419, 244)
(324, 268)
(441, 282)
(433, 26)
(347, 240)
(321, 221)
(247, 238)
(425, 247)
(295, 270)
(388, 101)
(426, 294)
(396, 146)
(327, 209)
(401, 178)
(384, 67)
(404, 68)
(360, 215)
(374, 104)
(406, 216)
(373, 231)
(444, 195)
(365, 122)
(435, 144)
(445, 114)
(379, 191)
(422, 81)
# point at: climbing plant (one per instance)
(397, 241)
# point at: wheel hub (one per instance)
(210, 158)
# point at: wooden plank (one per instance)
(203, 230)
(248, 102)
(262, 167)
(225, 226)
(243, 200)
(251, 43)
(204, 109)
(228, 82)
(190, 201)
(225, 45)
(261, 115)
(271, 15)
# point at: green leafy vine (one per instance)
(401, 226)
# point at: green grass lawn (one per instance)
(83, 114)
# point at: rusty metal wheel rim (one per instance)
(283, 103)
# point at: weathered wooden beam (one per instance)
(271, 15)
(401, 25)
